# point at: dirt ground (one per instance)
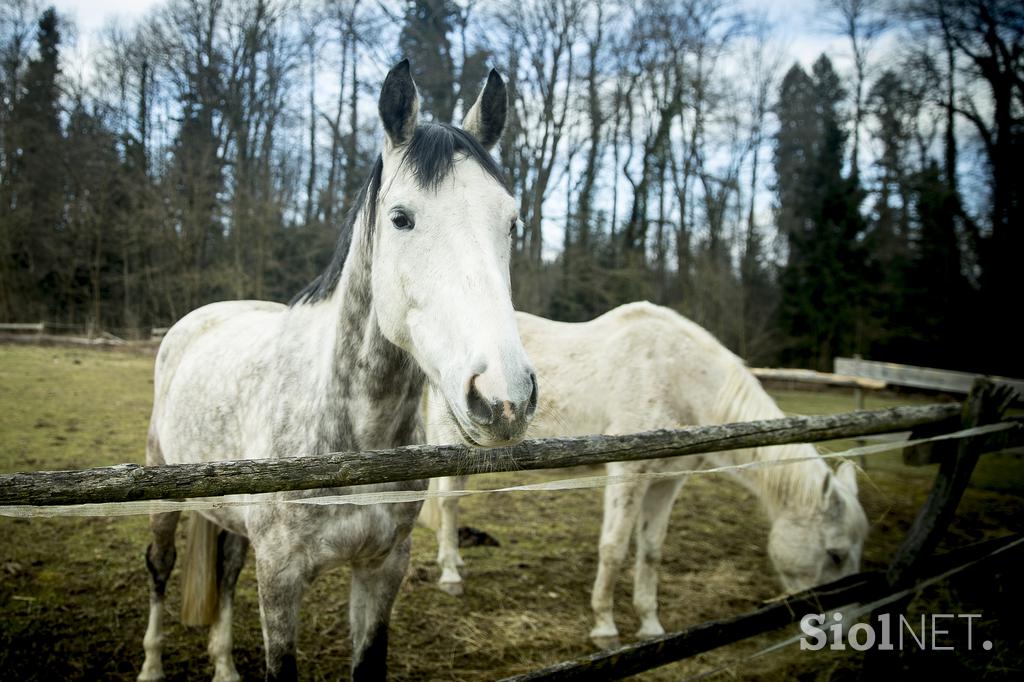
(73, 591)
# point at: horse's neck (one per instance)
(371, 388)
(780, 487)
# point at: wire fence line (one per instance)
(84, 329)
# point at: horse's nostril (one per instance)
(479, 409)
(531, 406)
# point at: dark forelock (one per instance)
(432, 149)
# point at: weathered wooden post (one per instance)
(858, 392)
(986, 404)
(858, 397)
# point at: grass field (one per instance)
(73, 591)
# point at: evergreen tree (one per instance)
(196, 179)
(893, 109)
(97, 205)
(426, 42)
(37, 246)
(818, 215)
(938, 329)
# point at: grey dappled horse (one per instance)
(417, 291)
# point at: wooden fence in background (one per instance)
(928, 378)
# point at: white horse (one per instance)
(641, 367)
(418, 289)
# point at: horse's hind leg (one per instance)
(373, 593)
(160, 557)
(231, 553)
(621, 506)
(448, 536)
(650, 536)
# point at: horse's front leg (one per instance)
(621, 507)
(650, 536)
(283, 576)
(374, 589)
(448, 536)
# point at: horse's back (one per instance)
(200, 369)
(181, 336)
(656, 369)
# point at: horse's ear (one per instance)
(399, 105)
(831, 502)
(847, 473)
(485, 120)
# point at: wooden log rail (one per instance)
(912, 376)
(809, 376)
(37, 327)
(129, 482)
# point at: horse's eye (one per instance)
(401, 220)
(836, 556)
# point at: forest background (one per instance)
(669, 150)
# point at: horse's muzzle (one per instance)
(502, 421)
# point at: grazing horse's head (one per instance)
(823, 542)
(442, 227)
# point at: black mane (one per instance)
(431, 153)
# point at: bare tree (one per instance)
(862, 22)
(540, 57)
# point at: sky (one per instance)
(799, 32)
(90, 15)
(803, 37)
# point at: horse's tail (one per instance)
(430, 512)
(199, 589)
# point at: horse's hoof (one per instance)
(226, 672)
(454, 589)
(150, 676)
(649, 632)
(606, 641)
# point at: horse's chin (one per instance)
(464, 435)
(466, 438)
(474, 441)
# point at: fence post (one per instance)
(858, 397)
(985, 404)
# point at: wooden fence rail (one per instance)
(928, 378)
(809, 376)
(129, 482)
(37, 327)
